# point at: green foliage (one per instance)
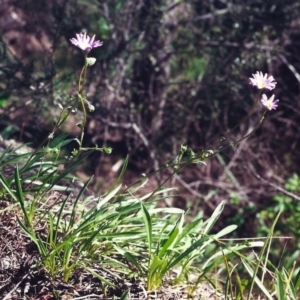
(179, 247)
(166, 248)
(3, 102)
(286, 225)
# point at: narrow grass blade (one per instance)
(133, 260)
(60, 141)
(233, 249)
(172, 237)
(31, 235)
(20, 196)
(194, 227)
(225, 231)
(108, 197)
(124, 295)
(102, 279)
(214, 217)
(73, 215)
(71, 168)
(186, 253)
(6, 186)
(148, 225)
(262, 252)
(257, 281)
(280, 290)
(124, 167)
(297, 281)
(88, 242)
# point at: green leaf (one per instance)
(108, 197)
(186, 252)
(102, 279)
(124, 295)
(257, 281)
(280, 287)
(297, 280)
(225, 231)
(172, 237)
(148, 225)
(214, 217)
(6, 186)
(133, 260)
(267, 245)
(20, 196)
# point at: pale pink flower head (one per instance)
(269, 103)
(84, 42)
(263, 81)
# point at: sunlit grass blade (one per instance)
(108, 197)
(214, 217)
(124, 168)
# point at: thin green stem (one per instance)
(61, 120)
(84, 118)
(255, 127)
(81, 83)
(82, 77)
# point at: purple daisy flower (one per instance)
(269, 103)
(263, 81)
(84, 42)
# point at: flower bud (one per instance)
(90, 61)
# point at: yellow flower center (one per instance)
(261, 84)
(269, 104)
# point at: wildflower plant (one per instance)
(187, 155)
(40, 169)
(86, 44)
(121, 232)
